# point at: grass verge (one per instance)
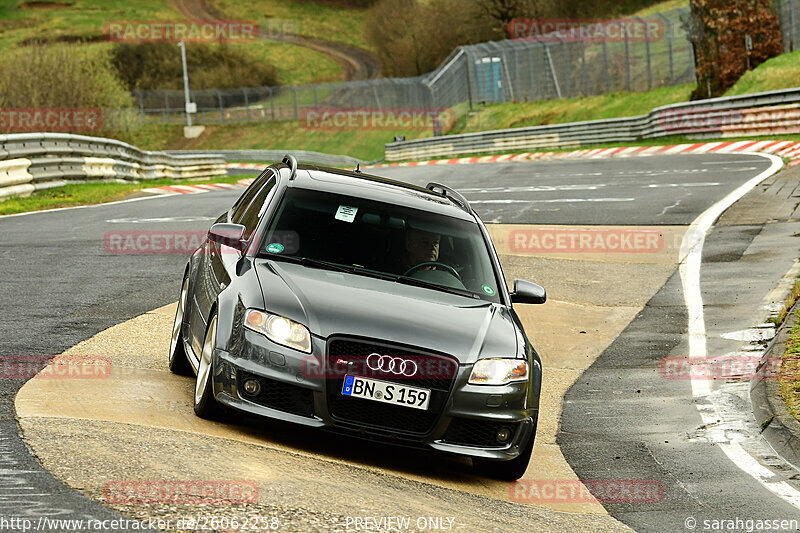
(87, 20)
(787, 305)
(364, 144)
(92, 193)
(789, 377)
(780, 72)
(319, 20)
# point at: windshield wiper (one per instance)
(307, 261)
(319, 263)
(428, 285)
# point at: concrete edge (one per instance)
(783, 432)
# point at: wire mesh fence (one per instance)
(535, 66)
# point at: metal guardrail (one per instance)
(768, 113)
(34, 161)
(262, 156)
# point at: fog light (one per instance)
(251, 386)
(503, 434)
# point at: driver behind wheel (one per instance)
(420, 247)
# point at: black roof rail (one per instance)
(449, 192)
(290, 161)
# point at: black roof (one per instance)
(363, 185)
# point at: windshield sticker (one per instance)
(345, 213)
(488, 290)
(275, 248)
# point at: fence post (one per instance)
(779, 10)
(583, 66)
(375, 95)
(314, 87)
(552, 70)
(517, 71)
(351, 90)
(468, 66)
(294, 101)
(565, 52)
(166, 105)
(246, 104)
(221, 109)
(530, 50)
(793, 25)
(627, 63)
(605, 65)
(271, 103)
(668, 25)
(647, 51)
(688, 16)
(141, 103)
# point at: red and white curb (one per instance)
(189, 189)
(247, 166)
(789, 149)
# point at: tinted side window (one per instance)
(247, 197)
(249, 218)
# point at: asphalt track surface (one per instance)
(60, 287)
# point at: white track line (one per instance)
(691, 257)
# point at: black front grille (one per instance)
(349, 357)
(279, 395)
(483, 433)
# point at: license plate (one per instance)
(386, 392)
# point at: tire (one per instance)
(205, 405)
(506, 470)
(178, 362)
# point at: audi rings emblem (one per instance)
(392, 365)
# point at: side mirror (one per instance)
(227, 234)
(526, 292)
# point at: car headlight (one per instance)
(279, 329)
(498, 371)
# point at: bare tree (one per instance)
(502, 12)
(729, 38)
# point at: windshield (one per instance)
(380, 239)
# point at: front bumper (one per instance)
(295, 388)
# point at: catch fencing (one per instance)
(533, 66)
(769, 113)
(35, 161)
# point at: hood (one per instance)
(339, 303)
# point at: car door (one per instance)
(219, 261)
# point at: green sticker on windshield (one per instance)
(488, 290)
(275, 248)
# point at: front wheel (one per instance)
(506, 470)
(178, 363)
(205, 405)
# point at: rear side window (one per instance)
(249, 217)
